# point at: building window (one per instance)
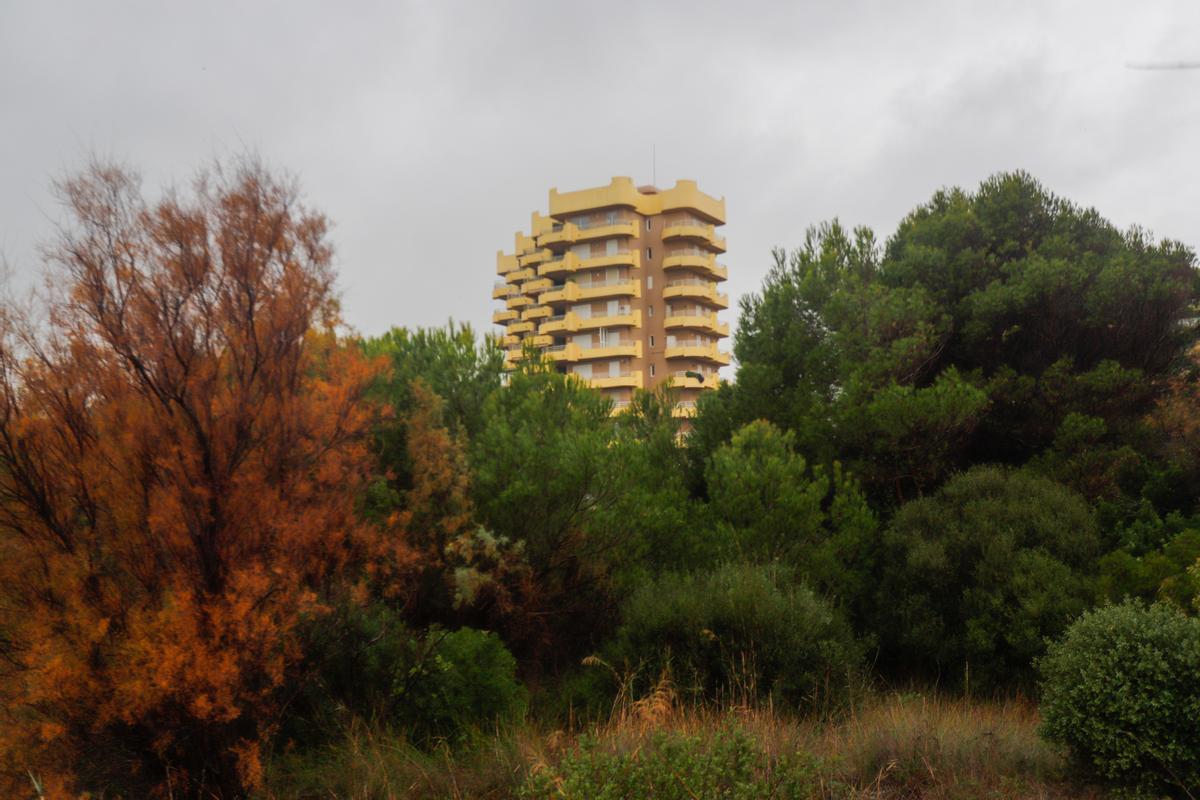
(652, 340)
(649, 254)
(649, 281)
(647, 223)
(650, 311)
(651, 370)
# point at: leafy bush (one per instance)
(1122, 691)
(1157, 575)
(982, 572)
(457, 681)
(770, 505)
(367, 664)
(675, 767)
(740, 629)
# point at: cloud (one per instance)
(429, 131)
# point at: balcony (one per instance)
(629, 258)
(617, 350)
(503, 317)
(631, 380)
(514, 355)
(685, 409)
(570, 233)
(682, 380)
(562, 234)
(503, 290)
(697, 321)
(510, 340)
(520, 275)
(702, 262)
(537, 340)
(535, 312)
(567, 293)
(518, 301)
(534, 258)
(695, 231)
(697, 350)
(523, 244)
(505, 263)
(563, 352)
(699, 290)
(569, 262)
(519, 327)
(560, 323)
(536, 285)
(624, 318)
(600, 291)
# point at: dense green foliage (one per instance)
(938, 452)
(981, 572)
(740, 631)
(1122, 692)
(1162, 574)
(769, 506)
(433, 684)
(987, 321)
(456, 681)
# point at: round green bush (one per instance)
(454, 682)
(741, 630)
(1122, 691)
(978, 575)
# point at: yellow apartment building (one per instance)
(619, 285)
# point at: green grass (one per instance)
(896, 745)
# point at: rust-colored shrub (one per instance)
(182, 441)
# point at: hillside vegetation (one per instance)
(939, 536)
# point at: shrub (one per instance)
(367, 664)
(980, 573)
(740, 629)
(672, 766)
(457, 681)
(770, 505)
(1160, 574)
(1122, 691)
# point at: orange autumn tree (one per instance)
(182, 441)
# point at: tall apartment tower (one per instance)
(618, 285)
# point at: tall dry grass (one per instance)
(889, 746)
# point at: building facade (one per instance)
(619, 285)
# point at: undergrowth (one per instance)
(894, 745)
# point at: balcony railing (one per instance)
(587, 224)
(684, 408)
(684, 380)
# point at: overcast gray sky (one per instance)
(429, 131)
